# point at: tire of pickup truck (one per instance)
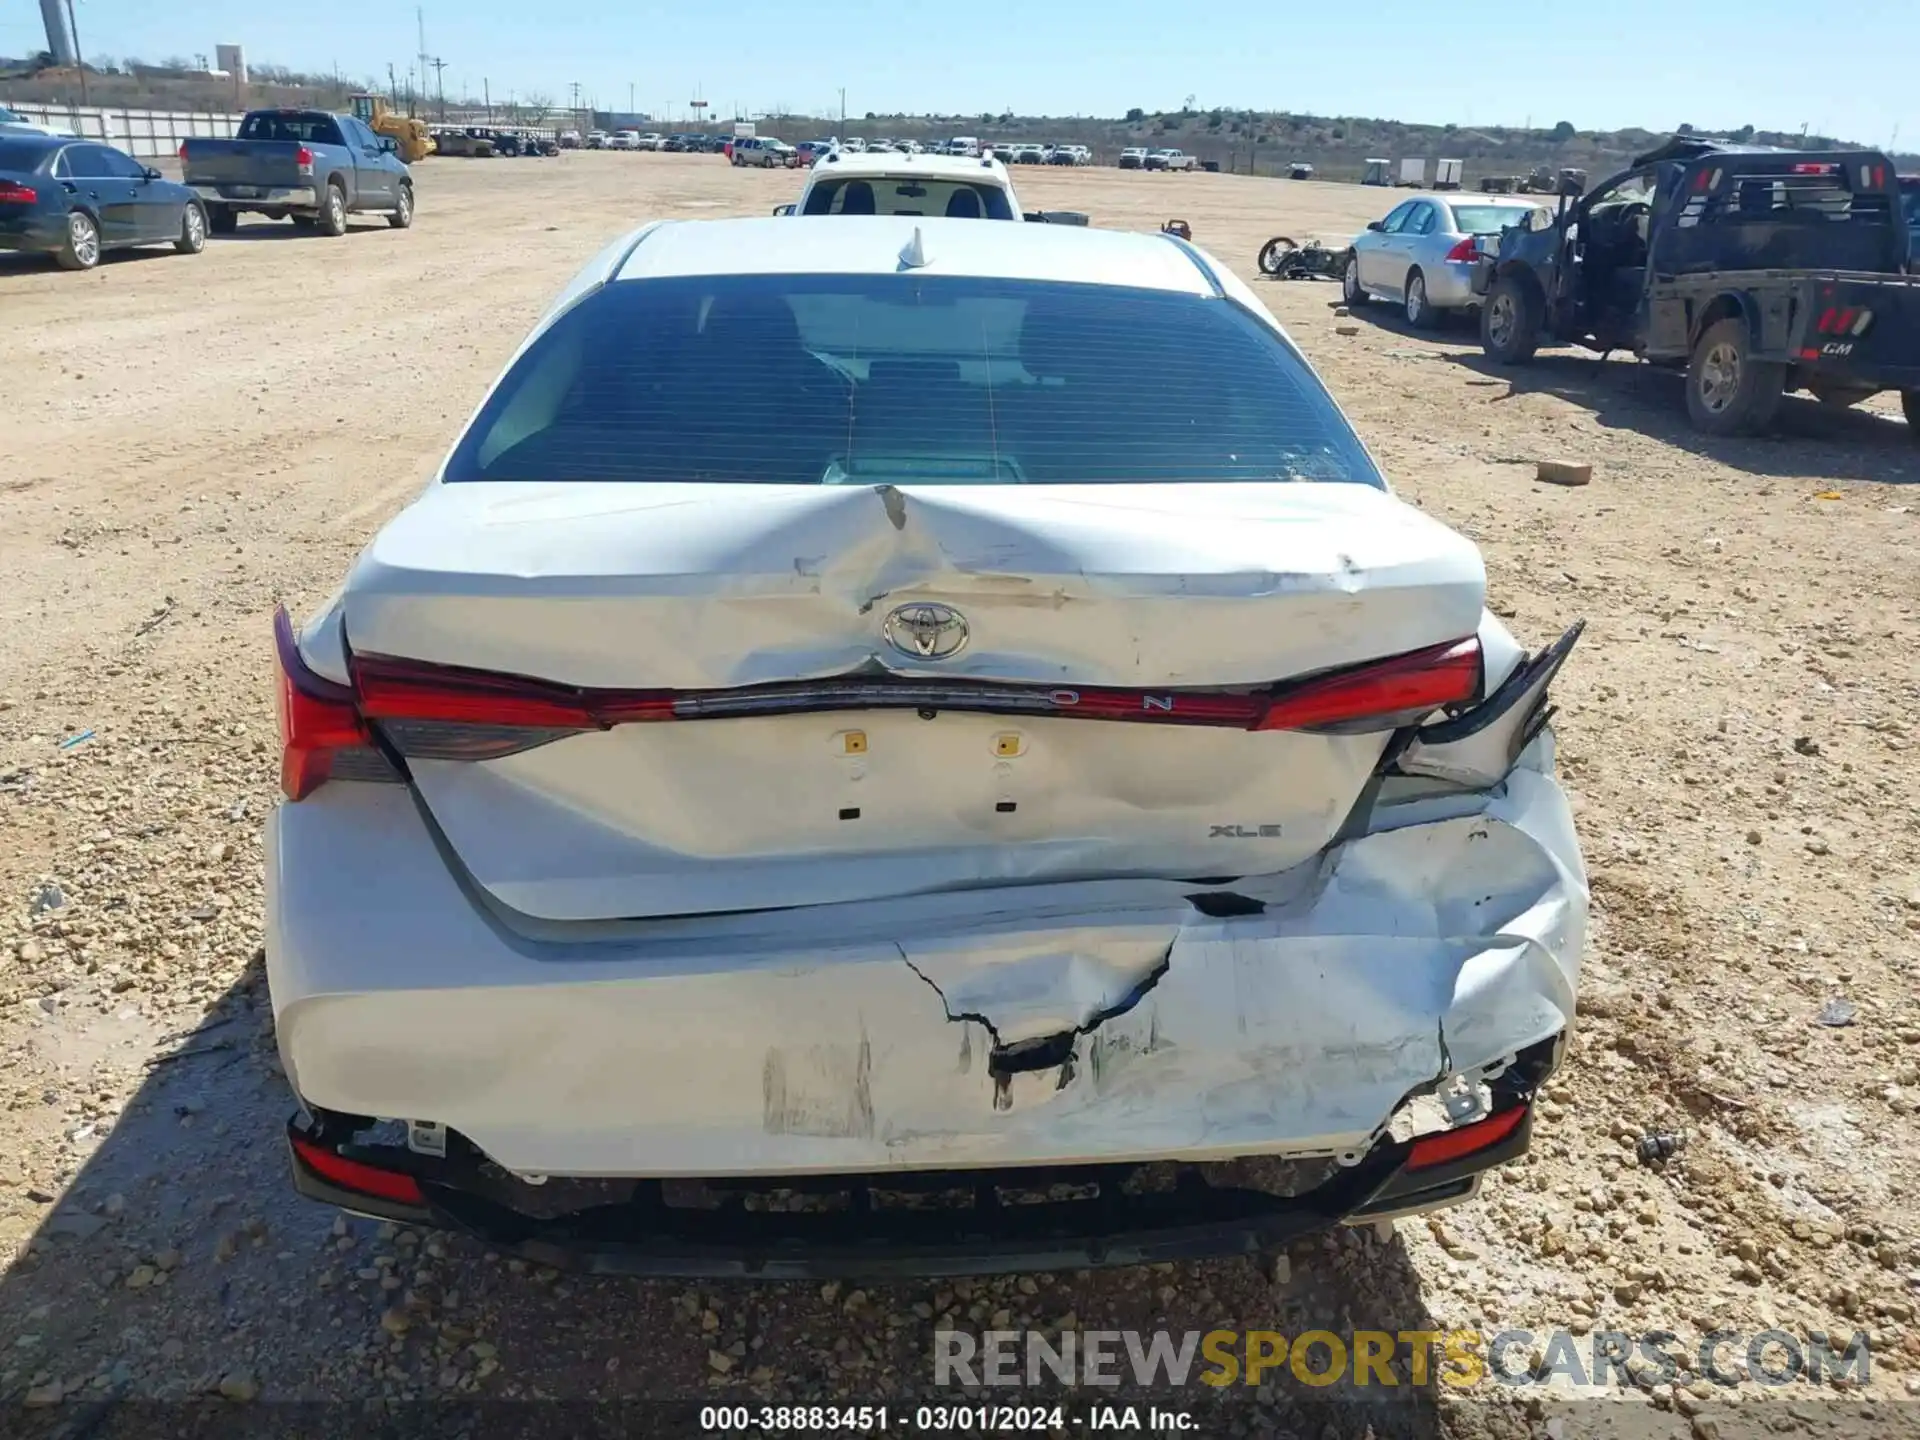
(1727, 392)
(223, 220)
(1510, 321)
(333, 211)
(402, 217)
(1910, 407)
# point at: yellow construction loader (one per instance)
(409, 134)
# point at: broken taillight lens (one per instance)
(318, 722)
(1451, 1145)
(1466, 247)
(1382, 694)
(355, 1175)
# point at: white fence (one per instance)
(150, 134)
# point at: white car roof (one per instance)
(872, 245)
(866, 164)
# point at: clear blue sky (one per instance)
(1845, 67)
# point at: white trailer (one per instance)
(743, 130)
(1446, 174)
(1413, 174)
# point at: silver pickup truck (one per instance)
(313, 166)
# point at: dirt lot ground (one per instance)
(187, 441)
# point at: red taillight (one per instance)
(402, 690)
(183, 150)
(1449, 1145)
(317, 718)
(1407, 685)
(1465, 249)
(14, 193)
(303, 157)
(406, 694)
(1807, 167)
(360, 1178)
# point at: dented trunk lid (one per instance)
(719, 588)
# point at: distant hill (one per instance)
(1260, 142)
(1244, 141)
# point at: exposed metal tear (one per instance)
(1039, 1052)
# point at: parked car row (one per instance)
(1140, 158)
(690, 144)
(481, 142)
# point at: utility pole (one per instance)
(420, 19)
(630, 99)
(79, 55)
(486, 97)
(440, 80)
(393, 87)
(843, 107)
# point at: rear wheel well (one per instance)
(1721, 307)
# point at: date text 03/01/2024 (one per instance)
(982, 1419)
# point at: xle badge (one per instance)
(1244, 832)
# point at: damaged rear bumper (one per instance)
(634, 1229)
(1104, 1023)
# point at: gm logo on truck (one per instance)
(926, 630)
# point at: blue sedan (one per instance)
(77, 199)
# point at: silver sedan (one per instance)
(1421, 255)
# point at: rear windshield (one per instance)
(1488, 219)
(907, 379)
(303, 129)
(23, 154)
(912, 195)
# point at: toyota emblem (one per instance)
(926, 631)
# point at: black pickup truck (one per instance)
(1757, 271)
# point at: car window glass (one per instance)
(27, 153)
(1472, 219)
(1631, 189)
(1421, 221)
(1397, 218)
(298, 127)
(90, 162)
(869, 379)
(124, 166)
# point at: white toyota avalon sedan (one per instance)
(908, 746)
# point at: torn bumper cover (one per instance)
(1107, 1023)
